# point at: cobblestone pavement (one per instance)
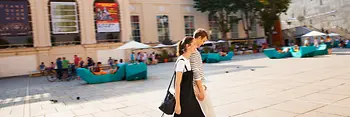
(254, 87)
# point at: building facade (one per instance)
(329, 15)
(93, 28)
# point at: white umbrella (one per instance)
(162, 46)
(133, 45)
(175, 45)
(210, 42)
(221, 41)
(333, 34)
(314, 33)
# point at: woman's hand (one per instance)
(177, 109)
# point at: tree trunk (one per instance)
(268, 33)
(224, 35)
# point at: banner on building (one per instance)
(64, 18)
(107, 17)
(14, 18)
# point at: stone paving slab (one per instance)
(254, 87)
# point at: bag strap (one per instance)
(171, 81)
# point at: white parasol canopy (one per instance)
(133, 45)
(221, 41)
(162, 46)
(314, 33)
(333, 34)
(210, 42)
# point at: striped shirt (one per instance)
(197, 66)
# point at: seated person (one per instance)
(115, 66)
(99, 71)
(296, 48)
(284, 50)
(42, 68)
(222, 53)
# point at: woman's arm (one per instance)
(177, 92)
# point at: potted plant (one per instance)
(232, 48)
(165, 56)
(206, 49)
(255, 48)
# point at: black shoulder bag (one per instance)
(168, 105)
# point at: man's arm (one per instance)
(196, 65)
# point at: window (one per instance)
(304, 12)
(107, 21)
(321, 2)
(234, 30)
(292, 15)
(163, 28)
(213, 27)
(253, 32)
(310, 21)
(64, 20)
(16, 31)
(189, 25)
(135, 25)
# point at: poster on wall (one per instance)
(14, 18)
(64, 18)
(107, 17)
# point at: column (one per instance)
(40, 23)
(125, 20)
(87, 23)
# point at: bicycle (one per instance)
(67, 75)
(51, 75)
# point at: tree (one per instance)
(249, 10)
(270, 13)
(222, 10)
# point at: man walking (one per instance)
(200, 36)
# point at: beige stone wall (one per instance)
(147, 10)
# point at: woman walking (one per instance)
(186, 103)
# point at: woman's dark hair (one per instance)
(99, 63)
(121, 60)
(181, 47)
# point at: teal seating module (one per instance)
(227, 57)
(136, 71)
(90, 78)
(305, 51)
(272, 53)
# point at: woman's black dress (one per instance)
(188, 101)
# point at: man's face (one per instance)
(200, 41)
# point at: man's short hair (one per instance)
(200, 32)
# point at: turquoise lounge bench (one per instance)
(136, 71)
(228, 57)
(272, 53)
(213, 58)
(347, 45)
(204, 56)
(321, 50)
(305, 51)
(336, 44)
(90, 78)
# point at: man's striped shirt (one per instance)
(197, 66)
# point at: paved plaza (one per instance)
(254, 87)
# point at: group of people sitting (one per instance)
(149, 59)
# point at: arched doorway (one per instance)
(15, 24)
(107, 21)
(64, 22)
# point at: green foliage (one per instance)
(255, 46)
(165, 54)
(270, 13)
(222, 10)
(232, 48)
(206, 49)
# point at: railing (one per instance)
(16, 46)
